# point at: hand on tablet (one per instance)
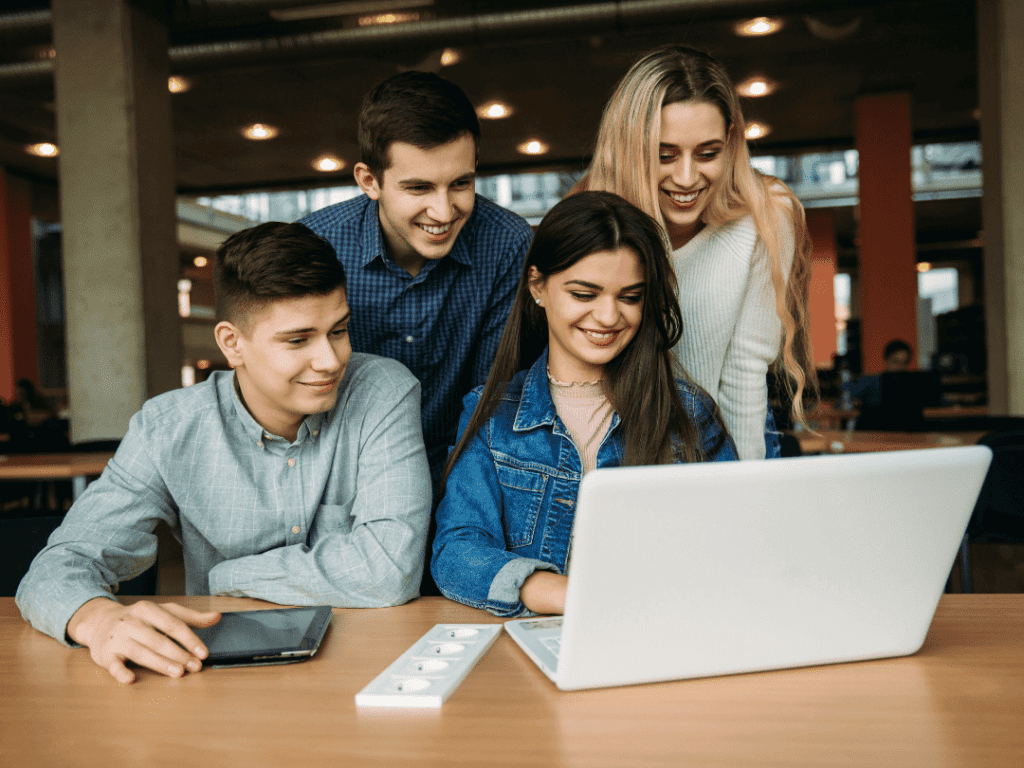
(144, 633)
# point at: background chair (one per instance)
(21, 539)
(998, 515)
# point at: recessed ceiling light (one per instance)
(494, 110)
(762, 25)
(328, 163)
(46, 149)
(450, 56)
(755, 87)
(380, 19)
(177, 84)
(200, 261)
(756, 130)
(259, 132)
(533, 147)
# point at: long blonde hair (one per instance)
(626, 161)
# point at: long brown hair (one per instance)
(639, 382)
(626, 162)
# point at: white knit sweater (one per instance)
(731, 331)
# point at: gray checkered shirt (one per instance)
(339, 517)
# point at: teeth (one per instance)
(599, 336)
(680, 198)
(435, 230)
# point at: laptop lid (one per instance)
(708, 569)
(271, 636)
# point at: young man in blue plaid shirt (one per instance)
(432, 266)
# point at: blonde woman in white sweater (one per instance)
(672, 142)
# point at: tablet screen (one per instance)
(280, 631)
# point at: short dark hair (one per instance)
(894, 346)
(269, 262)
(417, 108)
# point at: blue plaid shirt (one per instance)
(445, 323)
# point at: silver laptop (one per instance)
(713, 569)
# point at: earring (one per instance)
(538, 302)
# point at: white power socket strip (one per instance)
(432, 668)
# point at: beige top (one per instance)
(586, 412)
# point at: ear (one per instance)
(367, 181)
(535, 281)
(228, 337)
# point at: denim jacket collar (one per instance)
(536, 408)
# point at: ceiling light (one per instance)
(176, 84)
(328, 163)
(200, 261)
(259, 132)
(450, 56)
(756, 130)
(494, 110)
(755, 87)
(46, 149)
(533, 147)
(758, 27)
(305, 13)
(924, 266)
(202, 365)
(379, 19)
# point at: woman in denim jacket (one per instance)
(583, 378)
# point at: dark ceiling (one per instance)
(555, 62)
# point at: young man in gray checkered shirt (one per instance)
(300, 477)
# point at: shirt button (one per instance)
(409, 339)
(295, 529)
(291, 462)
(316, 432)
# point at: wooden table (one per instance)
(55, 466)
(958, 702)
(858, 441)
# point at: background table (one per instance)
(55, 466)
(859, 441)
(959, 701)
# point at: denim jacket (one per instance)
(510, 500)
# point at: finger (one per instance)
(120, 672)
(164, 618)
(193, 617)
(145, 656)
(157, 641)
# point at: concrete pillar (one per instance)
(1001, 72)
(888, 256)
(117, 203)
(18, 349)
(821, 304)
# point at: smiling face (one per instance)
(593, 309)
(692, 156)
(425, 197)
(291, 359)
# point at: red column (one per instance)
(888, 272)
(18, 355)
(821, 303)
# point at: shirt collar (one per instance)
(373, 246)
(310, 428)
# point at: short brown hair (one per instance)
(269, 262)
(417, 108)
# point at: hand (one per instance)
(144, 633)
(544, 592)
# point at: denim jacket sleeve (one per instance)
(708, 427)
(471, 563)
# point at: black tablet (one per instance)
(273, 636)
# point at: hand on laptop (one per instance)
(144, 633)
(544, 592)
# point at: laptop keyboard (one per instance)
(553, 644)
